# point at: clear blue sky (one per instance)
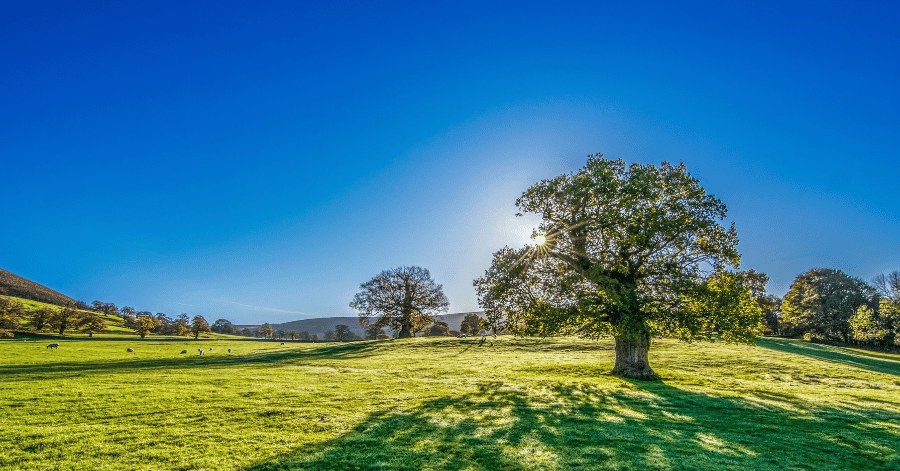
(257, 161)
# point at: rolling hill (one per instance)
(14, 285)
(322, 324)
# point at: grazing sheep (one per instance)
(229, 350)
(130, 350)
(201, 352)
(53, 345)
(184, 351)
(210, 348)
(282, 343)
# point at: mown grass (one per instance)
(441, 403)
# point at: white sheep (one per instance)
(201, 352)
(130, 350)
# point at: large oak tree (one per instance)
(633, 252)
(404, 299)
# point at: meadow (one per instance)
(445, 404)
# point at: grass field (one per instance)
(441, 403)
(115, 324)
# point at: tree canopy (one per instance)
(404, 299)
(628, 251)
(199, 326)
(822, 301)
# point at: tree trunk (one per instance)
(405, 331)
(631, 356)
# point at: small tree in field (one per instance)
(293, 335)
(305, 337)
(91, 323)
(10, 314)
(40, 319)
(143, 325)
(199, 326)
(246, 332)
(471, 324)
(342, 333)
(402, 298)
(266, 330)
(625, 251)
(439, 329)
(64, 319)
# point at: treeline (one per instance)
(829, 305)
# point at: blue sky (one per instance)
(259, 162)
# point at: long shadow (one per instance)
(833, 354)
(635, 426)
(26, 372)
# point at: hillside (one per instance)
(323, 324)
(16, 286)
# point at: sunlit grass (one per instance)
(444, 404)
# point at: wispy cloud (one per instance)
(266, 308)
(183, 304)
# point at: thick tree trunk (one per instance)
(631, 356)
(405, 331)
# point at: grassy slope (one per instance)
(115, 325)
(14, 285)
(445, 404)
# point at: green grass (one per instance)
(115, 324)
(440, 403)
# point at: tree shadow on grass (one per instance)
(637, 426)
(833, 354)
(65, 369)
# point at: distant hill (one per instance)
(323, 324)
(14, 285)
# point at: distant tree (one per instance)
(822, 301)
(110, 309)
(127, 311)
(199, 326)
(314, 338)
(246, 332)
(96, 306)
(455, 333)
(876, 327)
(771, 313)
(143, 325)
(342, 333)
(91, 323)
(329, 335)
(403, 298)
(64, 319)
(888, 286)
(372, 332)
(265, 330)
(181, 325)
(622, 250)
(223, 326)
(10, 316)
(40, 318)
(305, 337)
(293, 335)
(280, 334)
(471, 324)
(439, 329)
